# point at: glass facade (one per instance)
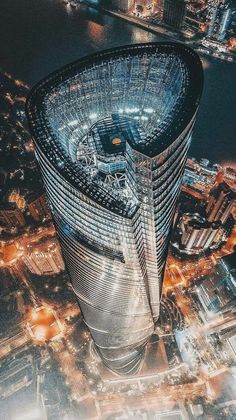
(111, 135)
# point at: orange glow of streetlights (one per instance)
(40, 333)
(44, 325)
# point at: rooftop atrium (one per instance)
(85, 113)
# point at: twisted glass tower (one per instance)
(111, 135)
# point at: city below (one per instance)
(50, 368)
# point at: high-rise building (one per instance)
(198, 234)
(37, 206)
(217, 292)
(174, 12)
(221, 202)
(44, 258)
(226, 288)
(111, 133)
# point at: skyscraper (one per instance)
(221, 202)
(37, 206)
(217, 292)
(111, 134)
(198, 235)
(174, 12)
(44, 257)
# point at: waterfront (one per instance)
(38, 37)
